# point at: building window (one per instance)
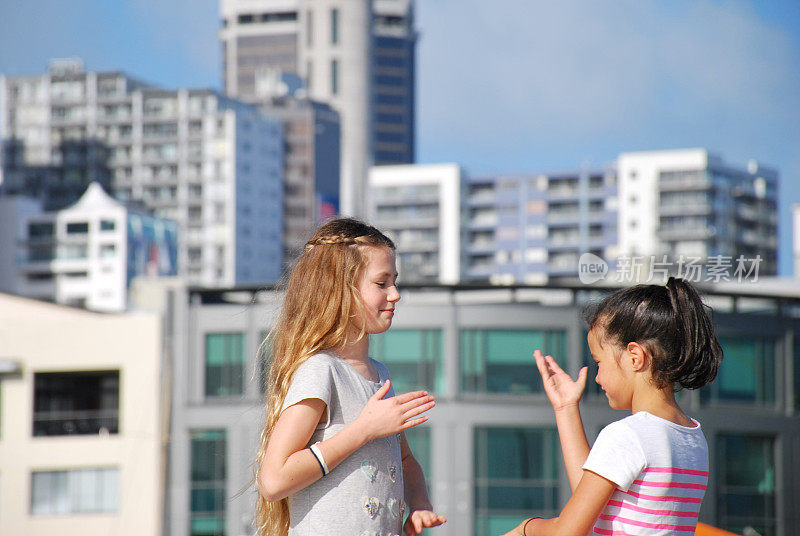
(516, 476)
(414, 358)
(746, 496)
(335, 77)
(334, 26)
(81, 491)
(108, 251)
(208, 483)
(224, 364)
(747, 374)
(38, 230)
(107, 225)
(76, 403)
(500, 361)
(419, 440)
(78, 228)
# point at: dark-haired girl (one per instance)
(645, 474)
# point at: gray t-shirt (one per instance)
(363, 495)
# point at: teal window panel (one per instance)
(413, 356)
(225, 361)
(501, 361)
(746, 483)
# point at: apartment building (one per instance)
(210, 163)
(691, 203)
(86, 255)
(471, 347)
(684, 212)
(420, 208)
(356, 56)
(312, 135)
(533, 228)
(82, 407)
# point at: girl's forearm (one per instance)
(302, 469)
(416, 492)
(574, 446)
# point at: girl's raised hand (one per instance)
(560, 388)
(386, 416)
(420, 519)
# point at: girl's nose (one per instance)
(394, 294)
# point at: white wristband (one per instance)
(318, 455)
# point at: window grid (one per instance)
(78, 491)
(747, 374)
(521, 482)
(225, 361)
(746, 483)
(208, 477)
(413, 356)
(501, 361)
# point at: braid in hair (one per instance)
(321, 296)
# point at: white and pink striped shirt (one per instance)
(661, 472)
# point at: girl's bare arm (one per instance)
(288, 466)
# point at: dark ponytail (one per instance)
(671, 322)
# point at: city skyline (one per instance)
(559, 87)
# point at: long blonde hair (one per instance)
(321, 297)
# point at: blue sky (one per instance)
(509, 85)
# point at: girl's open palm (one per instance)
(560, 388)
(386, 416)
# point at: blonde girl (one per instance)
(333, 457)
(647, 473)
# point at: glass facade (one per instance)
(225, 361)
(414, 358)
(81, 491)
(746, 481)
(419, 440)
(747, 373)
(208, 469)
(516, 476)
(501, 361)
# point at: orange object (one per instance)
(708, 530)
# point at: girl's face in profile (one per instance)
(611, 375)
(378, 291)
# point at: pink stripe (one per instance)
(662, 526)
(675, 470)
(675, 513)
(674, 498)
(682, 485)
(607, 532)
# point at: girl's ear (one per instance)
(638, 355)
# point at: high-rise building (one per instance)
(420, 208)
(356, 55)
(690, 203)
(682, 212)
(312, 135)
(86, 255)
(211, 163)
(533, 228)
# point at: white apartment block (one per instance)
(691, 203)
(81, 421)
(332, 45)
(212, 164)
(87, 254)
(419, 207)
